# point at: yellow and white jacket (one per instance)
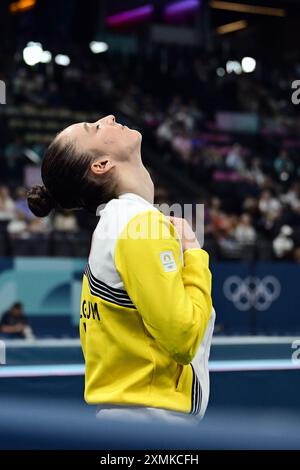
(146, 319)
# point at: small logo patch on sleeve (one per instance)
(168, 261)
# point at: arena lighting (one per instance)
(181, 8)
(32, 53)
(220, 72)
(243, 8)
(21, 5)
(97, 47)
(231, 27)
(46, 57)
(248, 64)
(233, 66)
(33, 43)
(136, 15)
(62, 59)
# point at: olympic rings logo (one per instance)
(252, 292)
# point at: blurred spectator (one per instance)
(283, 244)
(234, 159)
(182, 144)
(7, 205)
(292, 196)
(65, 221)
(164, 131)
(256, 173)
(184, 118)
(18, 225)
(268, 203)
(250, 205)
(222, 223)
(244, 232)
(14, 323)
(229, 245)
(284, 166)
(38, 225)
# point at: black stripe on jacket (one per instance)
(108, 293)
(196, 397)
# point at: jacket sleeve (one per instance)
(174, 301)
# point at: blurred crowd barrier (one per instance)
(249, 298)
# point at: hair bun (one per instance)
(40, 201)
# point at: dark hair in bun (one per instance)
(40, 201)
(68, 181)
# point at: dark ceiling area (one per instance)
(74, 23)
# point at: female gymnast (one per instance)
(146, 315)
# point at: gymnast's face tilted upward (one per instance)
(105, 137)
(88, 164)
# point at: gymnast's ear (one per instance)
(102, 166)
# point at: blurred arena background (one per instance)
(212, 86)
